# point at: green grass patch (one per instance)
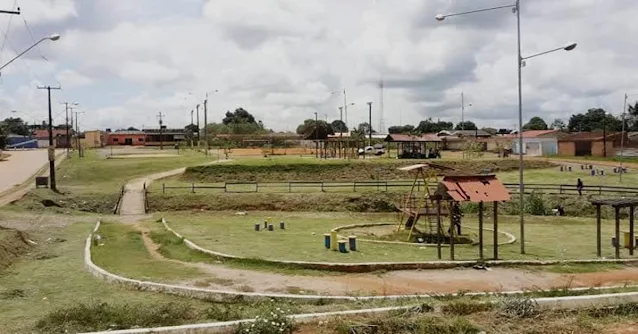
(547, 237)
(579, 268)
(123, 252)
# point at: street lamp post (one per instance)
(206, 119)
(521, 63)
(66, 110)
(316, 135)
(622, 138)
(53, 37)
(370, 124)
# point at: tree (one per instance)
(339, 126)
(240, 116)
(631, 119)
(132, 129)
(594, 120)
(16, 126)
(558, 124)
(491, 131)
(467, 125)
(427, 126)
(398, 129)
(308, 127)
(535, 123)
(3, 136)
(365, 128)
(445, 125)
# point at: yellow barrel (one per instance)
(334, 243)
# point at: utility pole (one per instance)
(622, 138)
(51, 145)
(192, 139)
(341, 119)
(462, 112)
(604, 134)
(370, 124)
(205, 124)
(77, 132)
(345, 105)
(160, 117)
(316, 136)
(198, 128)
(68, 126)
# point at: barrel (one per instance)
(326, 240)
(569, 168)
(593, 172)
(561, 168)
(602, 172)
(271, 227)
(282, 225)
(265, 224)
(352, 241)
(257, 226)
(342, 247)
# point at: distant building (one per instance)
(537, 142)
(92, 139)
(124, 137)
(166, 136)
(18, 142)
(60, 139)
(590, 144)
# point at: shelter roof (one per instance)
(622, 202)
(474, 188)
(423, 166)
(590, 136)
(395, 137)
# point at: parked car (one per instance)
(372, 150)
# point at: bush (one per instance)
(520, 307)
(273, 321)
(414, 324)
(100, 316)
(465, 308)
(535, 204)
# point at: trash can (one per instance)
(352, 241)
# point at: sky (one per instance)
(125, 62)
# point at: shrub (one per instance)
(517, 306)
(273, 321)
(98, 316)
(465, 308)
(535, 204)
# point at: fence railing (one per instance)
(382, 186)
(118, 204)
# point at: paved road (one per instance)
(20, 166)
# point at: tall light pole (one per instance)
(77, 133)
(521, 63)
(53, 37)
(622, 138)
(463, 111)
(316, 135)
(206, 119)
(370, 124)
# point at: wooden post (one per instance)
(598, 236)
(451, 232)
(438, 228)
(480, 230)
(495, 218)
(631, 230)
(617, 212)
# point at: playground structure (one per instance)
(629, 237)
(444, 202)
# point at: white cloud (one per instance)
(280, 59)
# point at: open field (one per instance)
(546, 237)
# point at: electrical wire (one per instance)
(4, 41)
(28, 28)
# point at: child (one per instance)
(579, 186)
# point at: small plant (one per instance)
(273, 321)
(520, 307)
(465, 308)
(535, 204)
(223, 312)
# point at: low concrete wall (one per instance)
(362, 267)
(510, 237)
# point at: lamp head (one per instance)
(54, 37)
(570, 47)
(439, 17)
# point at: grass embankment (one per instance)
(546, 237)
(281, 169)
(12, 244)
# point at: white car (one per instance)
(371, 150)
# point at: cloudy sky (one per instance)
(125, 61)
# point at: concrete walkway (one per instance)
(133, 199)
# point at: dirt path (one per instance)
(26, 182)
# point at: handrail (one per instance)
(384, 186)
(118, 204)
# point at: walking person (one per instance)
(579, 187)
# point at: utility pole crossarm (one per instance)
(11, 12)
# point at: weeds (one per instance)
(273, 321)
(465, 307)
(518, 306)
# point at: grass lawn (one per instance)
(96, 174)
(546, 237)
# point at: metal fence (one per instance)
(381, 186)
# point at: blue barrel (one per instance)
(271, 227)
(282, 225)
(602, 172)
(352, 241)
(326, 240)
(257, 226)
(593, 172)
(342, 247)
(561, 168)
(569, 168)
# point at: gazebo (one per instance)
(413, 147)
(617, 204)
(476, 189)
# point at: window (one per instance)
(140, 139)
(115, 140)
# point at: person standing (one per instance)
(579, 187)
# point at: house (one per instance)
(124, 137)
(155, 137)
(92, 139)
(537, 142)
(60, 139)
(594, 144)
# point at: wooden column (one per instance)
(495, 220)
(451, 231)
(598, 236)
(617, 212)
(480, 230)
(438, 228)
(631, 230)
